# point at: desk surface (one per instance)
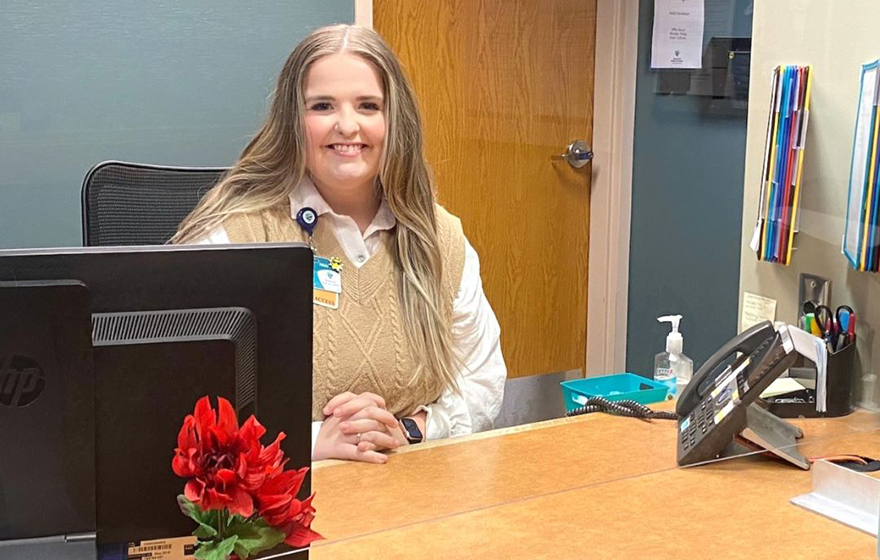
(595, 486)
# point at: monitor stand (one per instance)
(72, 547)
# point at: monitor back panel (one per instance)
(47, 446)
(138, 422)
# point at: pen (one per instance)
(851, 328)
(814, 327)
(829, 335)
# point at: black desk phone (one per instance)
(714, 408)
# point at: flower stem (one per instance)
(221, 514)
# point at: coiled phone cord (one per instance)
(632, 409)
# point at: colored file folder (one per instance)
(782, 171)
(861, 242)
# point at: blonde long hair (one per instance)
(274, 162)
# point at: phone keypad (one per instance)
(697, 424)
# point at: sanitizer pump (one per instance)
(672, 367)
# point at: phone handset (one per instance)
(703, 382)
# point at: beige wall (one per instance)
(836, 38)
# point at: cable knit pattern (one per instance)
(362, 345)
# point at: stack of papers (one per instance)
(861, 244)
(783, 164)
(782, 386)
(813, 348)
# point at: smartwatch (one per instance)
(411, 431)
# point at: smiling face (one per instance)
(345, 123)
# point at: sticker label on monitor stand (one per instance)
(180, 548)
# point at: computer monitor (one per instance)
(171, 324)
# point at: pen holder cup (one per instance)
(840, 394)
(841, 383)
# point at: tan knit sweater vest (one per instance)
(362, 345)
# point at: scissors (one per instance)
(826, 320)
(843, 314)
(845, 322)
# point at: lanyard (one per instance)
(326, 272)
(307, 219)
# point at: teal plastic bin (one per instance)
(617, 387)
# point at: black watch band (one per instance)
(411, 430)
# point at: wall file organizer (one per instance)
(781, 174)
(861, 243)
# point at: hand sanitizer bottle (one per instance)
(672, 368)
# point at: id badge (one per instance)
(327, 281)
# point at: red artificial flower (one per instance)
(280, 508)
(213, 454)
(228, 468)
(260, 462)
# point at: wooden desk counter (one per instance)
(453, 476)
(595, 486)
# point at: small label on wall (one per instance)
(756, 309)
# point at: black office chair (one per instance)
(136, 204)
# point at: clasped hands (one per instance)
(357, 428)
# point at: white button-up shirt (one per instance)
(475, 330)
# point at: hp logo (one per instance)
(21, 381)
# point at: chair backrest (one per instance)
(136, 204)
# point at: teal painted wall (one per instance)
(163, 82)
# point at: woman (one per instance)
(406, 347)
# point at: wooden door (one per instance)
(504, 85)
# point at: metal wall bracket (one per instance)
(844, 495)
(813, 288)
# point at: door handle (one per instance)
(578, 154)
